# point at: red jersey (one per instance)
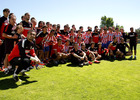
(102, 50)
(57, 48)
(95, 37)
(27, 26)
(3, 23)
(113, 46)
(22, 49)
(40, 37)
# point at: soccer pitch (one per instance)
(116, 80)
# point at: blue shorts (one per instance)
(104, 45)
(108, 43)
(46, 48)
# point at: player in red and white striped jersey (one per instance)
(49, 27)
(72, 34)
(118, 35)
(48, 42)
(87, 38)
(110, 36)
(104, 38)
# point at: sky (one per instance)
(79, 12)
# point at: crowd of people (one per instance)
(23, 44)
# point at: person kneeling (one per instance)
(22, 55)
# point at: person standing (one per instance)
(26, 24)
(10, 36)
(3, 23)
(133, 39)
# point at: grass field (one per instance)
(118, 80)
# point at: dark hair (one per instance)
(26, 14)
(116, 28)
(39, 23)
(54, 25)
(10, 15)
(65, 26)
(44, 26)
(6, 10)
(47, 22)
(73, 25)
(58, 39)
(114, 37)
(95, 27)
(78, 37)
(52, 31)
(80, 27)
(131, 28)
(32, 18)
(82, 44)
(89, 30)
(22, 17)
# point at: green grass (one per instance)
(118, 80)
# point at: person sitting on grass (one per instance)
(94, 50)
(102, 51)
(78, 57)
(22, 55)
(122, 47)
(57, 54)
(113, 49)
(90, 55)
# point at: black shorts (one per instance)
(75, 60)
(133, 45)
(114, 51)
(87, 46)
(9, 45)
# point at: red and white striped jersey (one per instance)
(48, 30)
(110, 36)
(104, 38)
(118, 36)
(74, 36)
(49, 40)
(87, 37)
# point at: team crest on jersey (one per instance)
(13, 32)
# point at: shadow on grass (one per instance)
(71, 65)
(2, 74)
(11, 84)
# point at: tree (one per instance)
(138, 32)
(118, 26)
(106, 22)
